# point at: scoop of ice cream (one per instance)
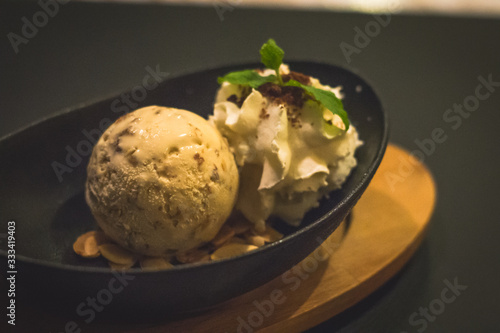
(291, 150)
(161, 180)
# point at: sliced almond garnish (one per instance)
(119, 267)
(90, 248)
(87, 244)
(117, 254)
(271, 235)
(154, 263)
(225, 233)
(256, 240)
(79, 245)
(192, 256)
(232, 250)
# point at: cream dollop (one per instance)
(289, 156)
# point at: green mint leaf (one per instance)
(331, 102)
(271, 55)
(327, 98)
(246, 77)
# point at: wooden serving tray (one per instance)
(386, 227)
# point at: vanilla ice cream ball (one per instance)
(161, 180)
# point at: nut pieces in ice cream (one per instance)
(161, 180)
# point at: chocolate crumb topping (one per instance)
(285, 95)
(245, 91)
(126, 131)
(263, 114)
(294, 116)
(215, 174)
(198, 159)
(234, 99)
(116, 145)
(302, 78)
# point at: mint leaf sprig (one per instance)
(247, 77)
(271, 55)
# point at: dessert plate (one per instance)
(43, 174)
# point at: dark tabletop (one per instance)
(421, 66)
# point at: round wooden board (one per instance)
(387, 225)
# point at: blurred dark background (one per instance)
(420, 65)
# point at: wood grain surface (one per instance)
(386, 227)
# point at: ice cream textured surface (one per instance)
(161, 180)
(290, 149)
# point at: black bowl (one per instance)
(43, 173)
